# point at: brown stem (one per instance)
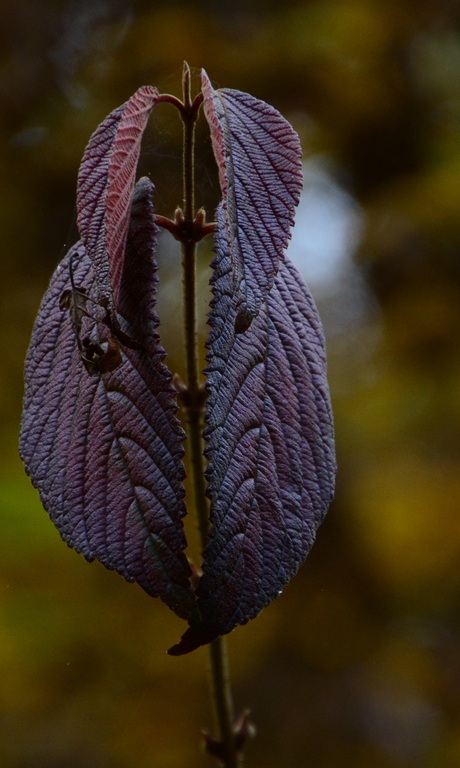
(223, 704)
(219, 673)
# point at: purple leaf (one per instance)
(105, 188)
(105, 449)
(259, 158)
(270, 447)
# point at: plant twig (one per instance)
(225, 747)
(225, 743)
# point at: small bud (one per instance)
(200, 218)
(244, 730)
(179, 217)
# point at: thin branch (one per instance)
(226, 747)
(225, 743)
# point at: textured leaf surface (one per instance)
(259, 158)
(270, 447)
(105, 188)
(105, 450)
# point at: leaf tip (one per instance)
(194, 637)
(204, 76)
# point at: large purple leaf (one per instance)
(105, 187)
(259, 159)
(270, 447)
(101, 440)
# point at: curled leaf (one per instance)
(105, 449)
(105, 188)
(270, 447)
(259, 159)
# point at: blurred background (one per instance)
(357, 665)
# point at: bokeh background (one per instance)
(357, 665)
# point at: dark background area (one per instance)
(357, 665)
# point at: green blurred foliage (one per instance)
(358, 663)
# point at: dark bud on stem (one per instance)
(243, 730)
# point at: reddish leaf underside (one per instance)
(260, 171)
(270, 447)
(105, 450)
(105, 187)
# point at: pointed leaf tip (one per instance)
(194, 637)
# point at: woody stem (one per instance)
(219, 673)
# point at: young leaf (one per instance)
(270, 447)
(259, 159)
(105, 189)
(104, 447)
